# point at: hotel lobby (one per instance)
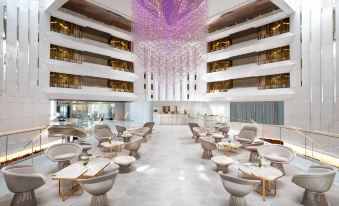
(169, 102)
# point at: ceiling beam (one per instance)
(284, 6)
(54, 5)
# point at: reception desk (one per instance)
(170, 119)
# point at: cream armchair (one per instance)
(133, 147)
(224, 130)
(207, 146)
(150, 125)
(102, 133)
(120, 130)
(22, 180)
(238, 188)
(191, 126)
(277, 155)
(142, 132)
(63, 153)
(198, 133)
(98, 187)
(316, 181)
(246, 135)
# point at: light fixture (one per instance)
(169, 36)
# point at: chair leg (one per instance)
(314, 199)
(24, 199)
(134, 153)
(197, 140)
(223, 168)
(99, 200)
(279, 166)
(207, 154)
(253, 157)
(237, 201)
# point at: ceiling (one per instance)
(118, 12)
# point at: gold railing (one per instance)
(65, 27)
(275, 28)
(274, 81)
(121, 65)
(221, 86)
(65, 54)
(218, 66)
(219, 44)
(121, 86)
(119, 43)
(274, 55)
(65, 80)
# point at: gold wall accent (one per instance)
(219, 44)
(274, 81)
(65, 80)
(121, 86)
(65, 54)
(65, 27)
(166, 109)
(274, 55)
(218, 66)
(275, 28)
(221, 86)
(118, 43)
(121, 65)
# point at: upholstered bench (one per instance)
(124, 163)
(222, 163)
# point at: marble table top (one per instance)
(112, 144)
(265, 172)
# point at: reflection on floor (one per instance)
(170, 173)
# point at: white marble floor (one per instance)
(170, 173)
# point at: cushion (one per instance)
(86, 147)
(124, 160)
(222, 160)
(275, 158)
(66, 156)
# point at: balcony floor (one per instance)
(170, 172)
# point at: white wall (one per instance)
(22, 100)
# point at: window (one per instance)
(266, 112)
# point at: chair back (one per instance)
(75, 133)
(277, 150)
(207, 144)
(99, 185)
(62, 148)
(248, 132)
(237, 186)
(150, 125)
(102, 130)
(120, 128)
(135, 144)
(192, 125)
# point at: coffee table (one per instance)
(266, 174)
(229, 147)
(217, 137)
(112, 147)
(126, 136)
(77, 171)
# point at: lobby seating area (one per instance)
(171, 167)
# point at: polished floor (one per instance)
(171, 173)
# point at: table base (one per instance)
(267, 188)
(64, 194)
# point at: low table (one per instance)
(112, 147)
(217, 137)
(222, 163)
(77, 171)
(266, 174)
(126, 136)
(229, 147)
(124, 163)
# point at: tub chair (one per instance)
(102, 133)
(246, 135)
(63, 153)
(133, 146)
(198, 133)
(208, 146)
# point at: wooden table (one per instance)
(229, 147)
(112, 146)
(77, 171)
(267, 174)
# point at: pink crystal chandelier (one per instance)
(169, 36)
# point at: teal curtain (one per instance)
(263, 112)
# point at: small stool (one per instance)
(126, 136)
(124, 163)
(222, 163)
(217, 137)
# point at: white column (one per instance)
(33, 44)
(11, 48)
(23, 48)
(1, 46)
